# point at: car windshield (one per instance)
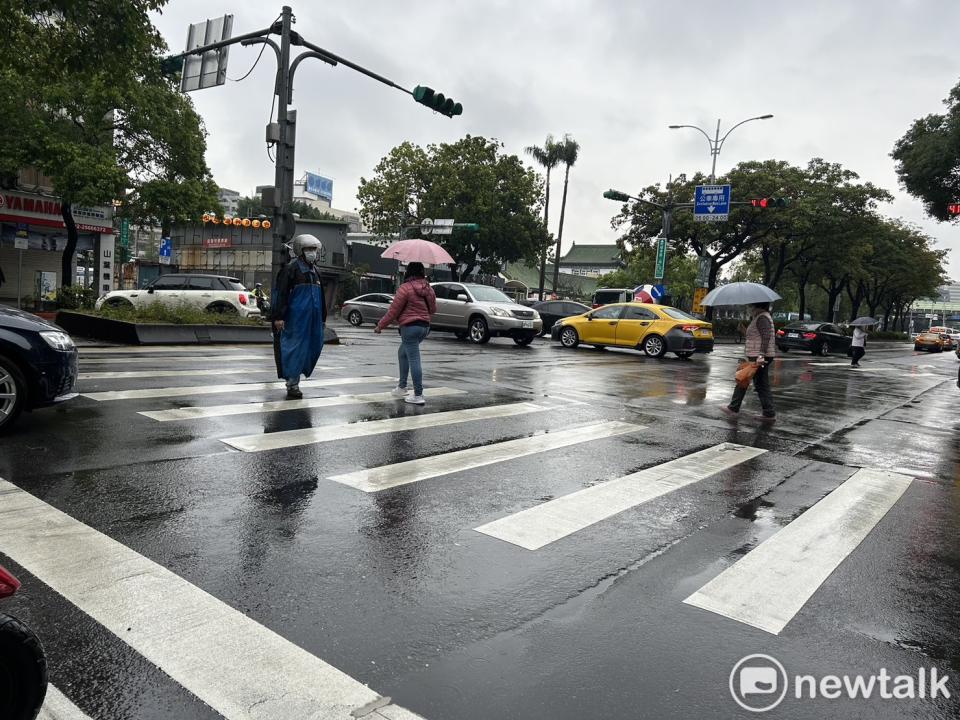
(484, 293)
(677, 314)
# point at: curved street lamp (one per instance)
(716, 143)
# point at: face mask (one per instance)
(310, 255)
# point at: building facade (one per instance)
(229, 201)
(590, 260)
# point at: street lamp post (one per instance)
(716, 143)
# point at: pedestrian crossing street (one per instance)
(764, 589)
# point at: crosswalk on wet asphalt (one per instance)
(564, 468)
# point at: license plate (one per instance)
(527, 324)
(793, 335)
(703, 333)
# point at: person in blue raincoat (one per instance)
(299, 312)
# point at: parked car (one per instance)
(552, 311)
(928, 341)
(655, 329)
(367, 308)
(480, 312)
(38, 365)
(213, 293)
(608, 296)
(820, 338)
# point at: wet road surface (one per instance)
(556, 534)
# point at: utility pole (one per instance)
(286, 140)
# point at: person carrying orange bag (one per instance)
(760, 349)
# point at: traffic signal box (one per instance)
(437, 101)
(770, 202)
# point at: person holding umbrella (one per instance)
(760, 345)
(859, 342)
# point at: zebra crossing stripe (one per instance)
(326, 433)
(208, 411)
(173, 358)
(546, 523)
(772, 583)
(130, 374)
(161, 350)
(389, 476)
(185, 390)
(241, 669)
(56, 706)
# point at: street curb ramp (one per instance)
(128, 333)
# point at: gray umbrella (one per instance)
(740, 293)
(863, 322)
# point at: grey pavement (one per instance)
(530, 544)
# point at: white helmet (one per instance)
(303, 242)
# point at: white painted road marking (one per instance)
(208, 411)
(175, 358)
(56, 706)
(772, 583)
(166, 349)
(128, 374)
(543, 524)
(389, 476)
(186, 390)
(235, 665)
(326, 433)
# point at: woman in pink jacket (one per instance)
(412, 307)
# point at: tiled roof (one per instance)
(591, 255)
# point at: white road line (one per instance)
(122, 374)
(164, 349)
(772, 583)
(238, 667)
(56, 706)
(208, 411)
(186, 390)
(173, 358)
(389, 476)
(543, 524)
(326, 433)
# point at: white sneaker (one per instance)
(415, 400)
(399, 392)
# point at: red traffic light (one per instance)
(762, 202)
(954, 209)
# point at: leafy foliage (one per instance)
(470, 180)
(172, 315)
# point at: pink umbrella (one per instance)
(418, 250)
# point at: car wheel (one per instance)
(23, 669)
(684, 355)
(461, 335)
(824, 349)
(118, 303)
(524, 341)
(916, 348)
(355, 318)
(222, 309)
(784, 349)
(13, 393)
(654, 346)
(479, 332)
(569, 337)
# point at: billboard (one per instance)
(320, 186)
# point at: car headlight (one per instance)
(536, 315)
(58, 340)
(499, 312)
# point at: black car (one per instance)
(38, 364)
(820, 338)
(553, 310)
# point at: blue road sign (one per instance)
(659, 291)
(711, 203)
(166, 250)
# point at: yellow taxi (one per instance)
(654, 329)
(929, 341)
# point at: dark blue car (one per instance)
(38, 364)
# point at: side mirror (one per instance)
(589, 317)
(463, 298)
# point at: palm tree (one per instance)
(547, 157)
(569, 151)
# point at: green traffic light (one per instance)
(616, 195)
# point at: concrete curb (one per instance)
(127, 333)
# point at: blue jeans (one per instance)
(409, 355)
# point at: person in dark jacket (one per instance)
(412, 307)
(761, 348)
(299, 312)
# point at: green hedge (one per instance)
(172, 315)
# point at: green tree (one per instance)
(470, 180)
(928, 158)
(568, 152)
(547, 157)
(103, 121)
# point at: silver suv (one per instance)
(479, 312)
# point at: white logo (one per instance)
(758, 683)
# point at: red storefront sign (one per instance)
(46, 212)
(217, 242)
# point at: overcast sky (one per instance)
(844, 80)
